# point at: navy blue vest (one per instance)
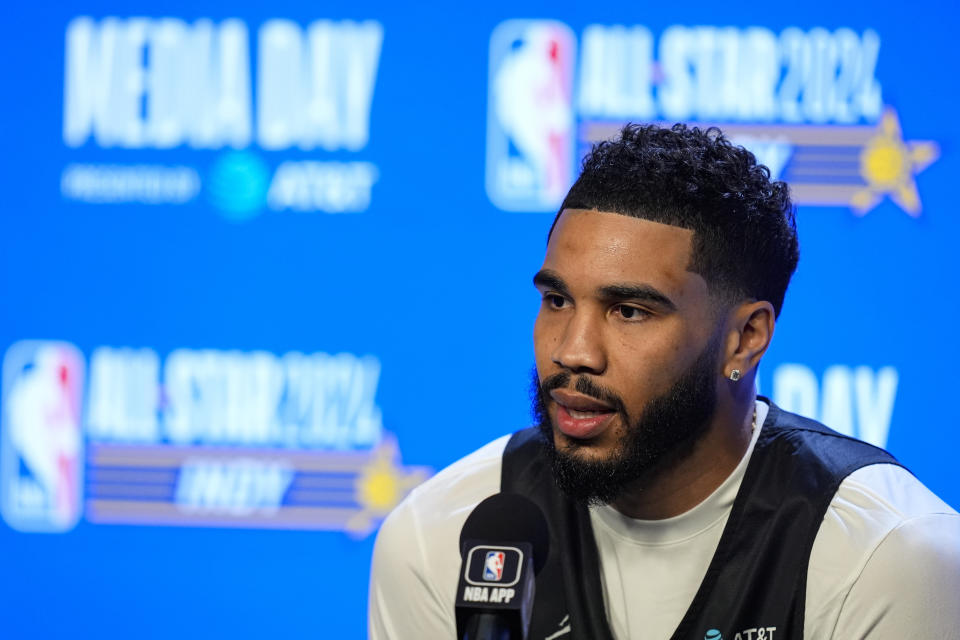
(756, 582)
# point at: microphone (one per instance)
(503, 544)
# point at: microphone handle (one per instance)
(487, 626)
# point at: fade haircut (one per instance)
(744, 231)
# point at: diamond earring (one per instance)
(735, 375)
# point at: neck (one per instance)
(684, 485)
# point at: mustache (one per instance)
(583, 384)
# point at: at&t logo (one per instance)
(754, 633)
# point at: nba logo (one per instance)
(41, 443)
(530, 121)
(493, 566)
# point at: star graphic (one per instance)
(381, 485)
(888, 164)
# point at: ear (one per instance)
(749, 331)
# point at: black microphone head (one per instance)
(509, 517)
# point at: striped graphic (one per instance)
(247, 488)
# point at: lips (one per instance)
(580, 416)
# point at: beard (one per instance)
(662, 436)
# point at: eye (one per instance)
(628, 312)
(554, 301)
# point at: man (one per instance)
(680, 505)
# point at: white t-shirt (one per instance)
(885, 563)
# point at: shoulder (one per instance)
(416, 556)
(887, 549)
(440, 506)
(834, 453)
(871, 505)
(460, 486)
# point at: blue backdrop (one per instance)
(258, 258)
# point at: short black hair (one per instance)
(745, 235)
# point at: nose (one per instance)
(580, 349)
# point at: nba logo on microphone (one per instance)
(493, 566)
(41, 442)
(530, 120)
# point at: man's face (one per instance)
(627, 351)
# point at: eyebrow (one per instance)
(548, 279)
(630, 291)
